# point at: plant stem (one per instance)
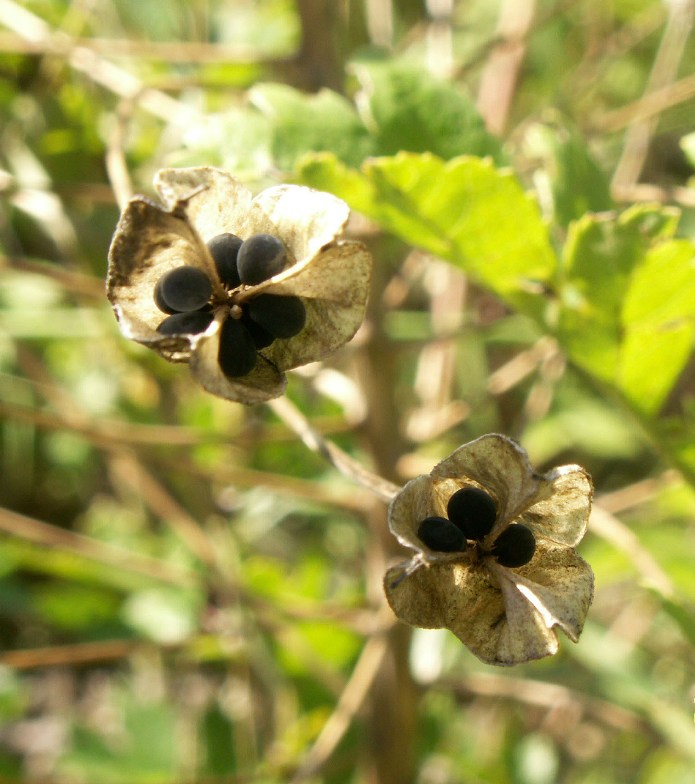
(339, 459)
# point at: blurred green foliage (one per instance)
(187, 593)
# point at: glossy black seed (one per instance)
(260, 336)
(224, 249)
(515, 546)
(186, 323)
(182, 289)
(260, 257)
(441, 535)
(159, 302)
(283, 317)
(473, 511)
(237, 352)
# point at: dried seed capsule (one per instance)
(441, 535)
(473, 511)
(515, 546)
(283, 317)
(224, 249)
(260, 257)
(186, 323)
(260, 336)
(237, 352)
(182, 289)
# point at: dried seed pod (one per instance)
(330, 274)
(515, 546)
(441, 535)
(182, 289)
(473, 511)
(283, 317)
(260, 257)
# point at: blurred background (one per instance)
(187, 594)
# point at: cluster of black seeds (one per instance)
(186, 295)
(471, 515)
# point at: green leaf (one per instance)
(144, 754)
(663, 287)
(626, 289)
(627, 301)
(576, 183)
(609, 322)
(688, 147)
(650, 362)
(679, 433)
(653, 221)
(407, 108)
(301, 123)
(162, 614)
(217, 735)
(599, 256)
(465, 211)
(238, 139)
(75, 607)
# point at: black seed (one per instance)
(283, 317)
(224, 249)
(260, 257)
(237, 353)
(473, 511)
(514, 546)
(260, 336)
(182, 289)
(186, 323)
(159, 302)
(441, 535)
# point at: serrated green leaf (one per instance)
(465, 211)
(628, 301)
(322, 122)
(653, 221)
(626, 289)
(408, 108)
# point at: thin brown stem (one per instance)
(664, 71)
(339, 459)
(351, 699)
(499, 78)
(46, 535)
